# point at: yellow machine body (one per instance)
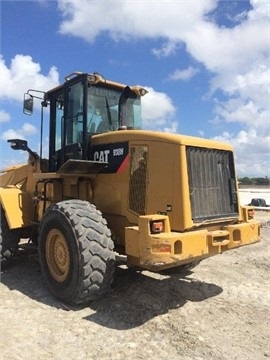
(164, 196)
(168, 199)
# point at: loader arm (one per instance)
(14, 175)
(16, 196)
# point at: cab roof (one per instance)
(97, 79)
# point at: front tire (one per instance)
(76, 251)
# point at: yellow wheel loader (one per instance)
(108, 187)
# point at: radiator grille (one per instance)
(137, 182)
(212, 183)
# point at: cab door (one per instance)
(68, 123)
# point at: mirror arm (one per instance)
(18, 144)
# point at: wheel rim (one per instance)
(57, 255)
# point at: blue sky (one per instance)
(204, 62)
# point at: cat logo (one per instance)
(102, 156)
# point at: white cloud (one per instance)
(24, 74)
(22, 133)
(158, 111)
(249, 163)
(217, 48)
(228, 49)
(168, 48)
(261, 9)
(236, 56)
(4, 116)
(183, 75)
(131, 19)
(245, 112)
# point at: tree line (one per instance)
(254, 181)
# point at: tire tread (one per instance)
(95, 247)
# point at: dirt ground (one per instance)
(220, 310)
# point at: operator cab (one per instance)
(86, 105)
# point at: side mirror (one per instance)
(28, 103)
(18, 144)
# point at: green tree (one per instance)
(244, 181)
(262, 181)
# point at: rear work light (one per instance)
(157, 227)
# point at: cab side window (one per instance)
(74, 114)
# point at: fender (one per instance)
(18, 206)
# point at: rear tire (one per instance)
(9, 240)
(76, 251)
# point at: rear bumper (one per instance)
(168, 249)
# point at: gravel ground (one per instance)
(220, 310)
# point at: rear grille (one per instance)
(137, 182)
(212, 183)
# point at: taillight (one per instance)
(251, 214)
(156, 227)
